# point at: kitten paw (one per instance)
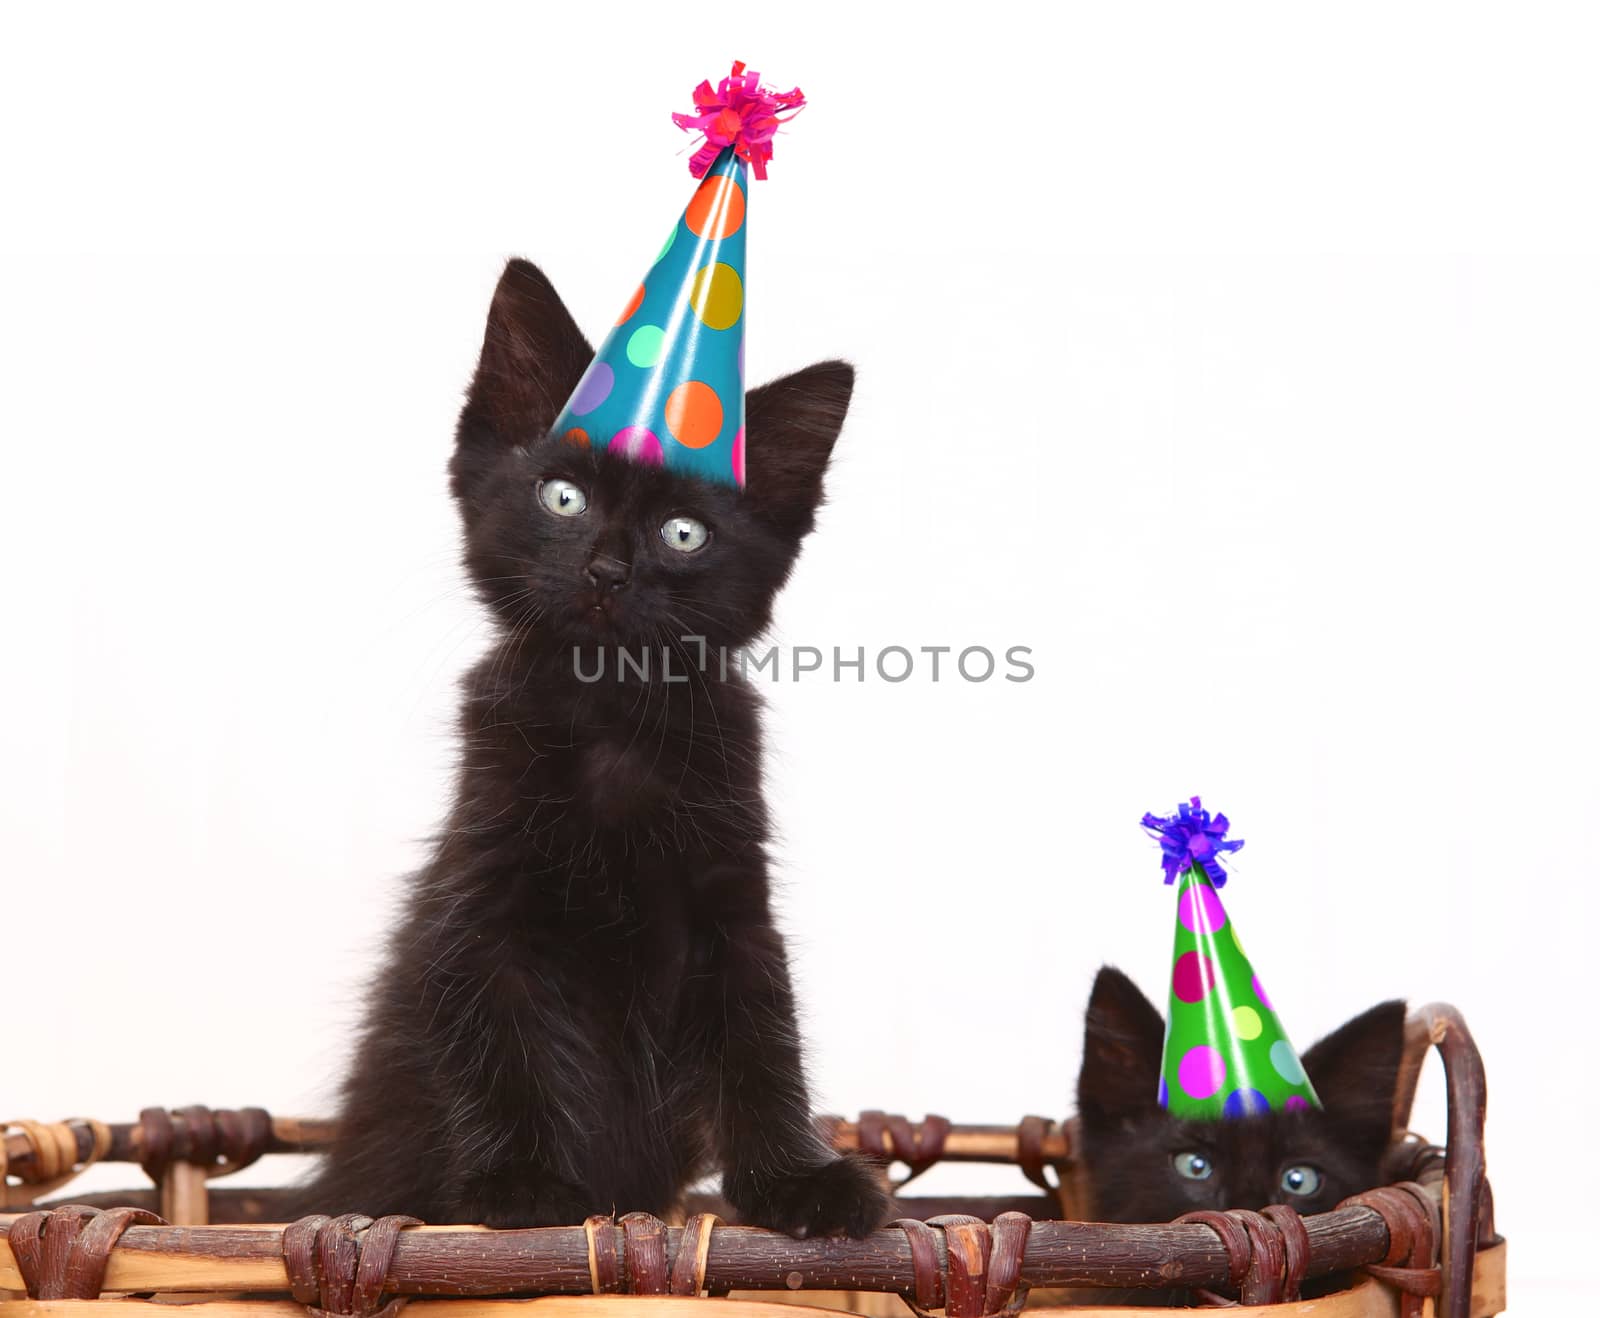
(503, 1199)
(844, 1196)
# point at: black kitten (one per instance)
(587, 1004)
(1145, 1165)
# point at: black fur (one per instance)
(587, 1004)
(1128, 1141)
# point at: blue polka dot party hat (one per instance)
(1226, 1053)
(667, 385)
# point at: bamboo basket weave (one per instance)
(1424, 1245)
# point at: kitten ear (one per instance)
(1122, 1038)
(790, 428)
(1355, 1070)
(533, 356)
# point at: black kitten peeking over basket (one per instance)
(1215, 1109)
(1145, 1164)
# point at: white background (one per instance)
(1240, 359)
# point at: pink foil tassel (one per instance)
(740, 113)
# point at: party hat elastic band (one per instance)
(1226, 1053)
(667, 385)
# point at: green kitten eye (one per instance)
(1302, 1179)
(684, 534)
(1193, 1166)
(563, 498)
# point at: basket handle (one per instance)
(1466, 1094)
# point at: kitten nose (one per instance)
(606, 572)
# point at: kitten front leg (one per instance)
(777, 1172)
(515, 1075)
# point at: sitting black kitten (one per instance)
(587, 1004)
(1145, 1165)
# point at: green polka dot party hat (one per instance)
(1226, 1053)
(667, 385)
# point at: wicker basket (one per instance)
(1423, 1245)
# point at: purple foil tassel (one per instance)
(1193, 836)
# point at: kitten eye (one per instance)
(684, 533)
(1193, 1166)
(563, 498)
(1302, 1179)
